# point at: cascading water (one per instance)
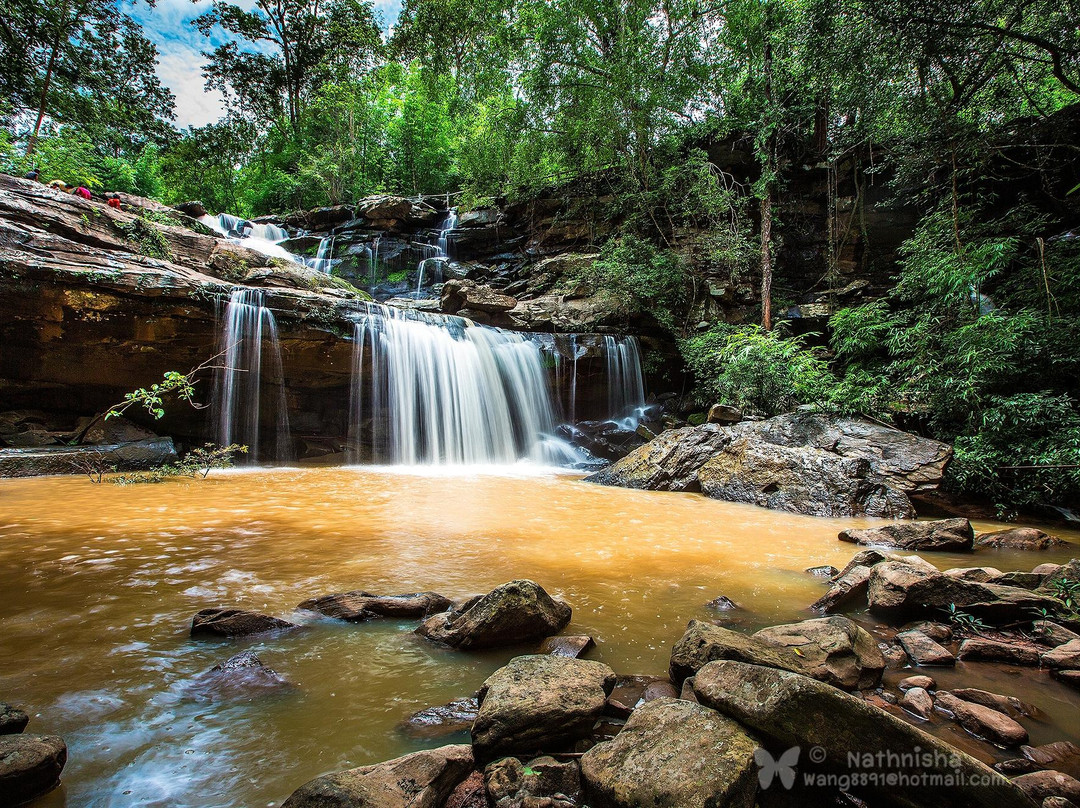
(324, 259)
(249, 387)
(626, 384)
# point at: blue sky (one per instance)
(180, 60)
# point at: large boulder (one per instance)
(463, 296)
(852, 738)
(1018, 538)
(946, 535)
(358, 607)
(539, 702)
(901, 589)
(30, 766)
(512, 613)
(384, 208)
(803, 462)
(673, 754)
(420, 780)
(135, 456)
(831, 649)
(845, 590)
(235, 623)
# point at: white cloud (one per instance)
(180, 69)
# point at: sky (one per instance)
(180, 47)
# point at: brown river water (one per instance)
(99, 583)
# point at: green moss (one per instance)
(149, 240)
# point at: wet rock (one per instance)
(12, 719)
(567, 645)
(194, 209)
(46, 460)
(918, 702)
(1008, 705)
(1018, 538)
(980, 575)
(864, 558)
(894, 654)
(924, 650)
(804, 462)
(902, 589)
(539, 702)
(383, 208)
(938, 632)
(115, 430)
(778, 707)
(847, 589)
(445, 719)
(1063, 756)
(30, 766)
(420, 780)
(1057, 802)
(1051, 634)
(1046, 569)
(240, 676)
(1071, 678)
(832, 649)
(632, 691)
(235, 623)
(1065, 656)
(466, 295)
(827, 571)
(673, 753)
(469, 793)
(947, 535)
(1026, 580)
(660, 689)
(512, 613)
(982, 650)
(980, 721)
(359, 606)
(722, 604)
(925, 682)
(1043, 784)
(723, 414)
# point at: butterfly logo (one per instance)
(784, 768)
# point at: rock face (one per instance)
(981, 721)
(420, 780)
(903, 589)
(831, 649)
(235, 623)
(512, 613)
(801, 462)
(539, 702)
(464, 297)
(358, 607)
(787, 710)
(946, 535)
(133, 456)
(673, 753)
(1019, 538)
(30, 766)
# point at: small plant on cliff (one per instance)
(1068, 592)
(149, 240)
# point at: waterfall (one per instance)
(449, 223)
(625, 382)
(249, 350)
(442, 390)
(324, 259)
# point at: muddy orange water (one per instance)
(99, 583)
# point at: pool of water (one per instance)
(100, 582)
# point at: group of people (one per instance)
(113, 199)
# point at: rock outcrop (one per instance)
(235, 623)
(30, 766)
(801, 462)
(358, 606)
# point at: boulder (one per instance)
(572, 645)
(1008, 705)
(923, 650)
(240, 676)
(980, 721)
(938, 632)
(542, 781)
(723, 414)
(12, 719)
(849, 588)
(1063, 756)
(900, 589)
(787, 710)
(779, 462)
(722, 603)
(984, 650)
(946, 535)
(1049, 633)
(512, 613)
(470, 296)
(1071, 678)
(918, 702)
(982, 575)
(357, 607)
(194, 209)
(30, 766)
(925, 682)
(1018, 538)
(865, 558)
(831, 649)
(673, 753)
(1049, 784)
(420, 780)
(235, 623)
(1064, 572)
(446, 719)
(539, 702)
(383, 208)
(825, 571)
(1065, 656)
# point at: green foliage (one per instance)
(963, 622)
(147, 237)
(174, 383)
(1068, 592)
(763, 372)
(196, 464)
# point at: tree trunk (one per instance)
(61, 28)
(766, 260)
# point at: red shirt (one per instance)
(83, 192)
(114, 203)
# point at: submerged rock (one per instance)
(512, 613)
(446, 719)
(30, 766)
(923, 650)
(981, 721)
(786, 710)
(235, 623)
(673, 753)
(359, 606)
(241, 676)
(831, 649)
(539, 702)
(801, 462)
(946, 535)
(420, 780)
(571, 645)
